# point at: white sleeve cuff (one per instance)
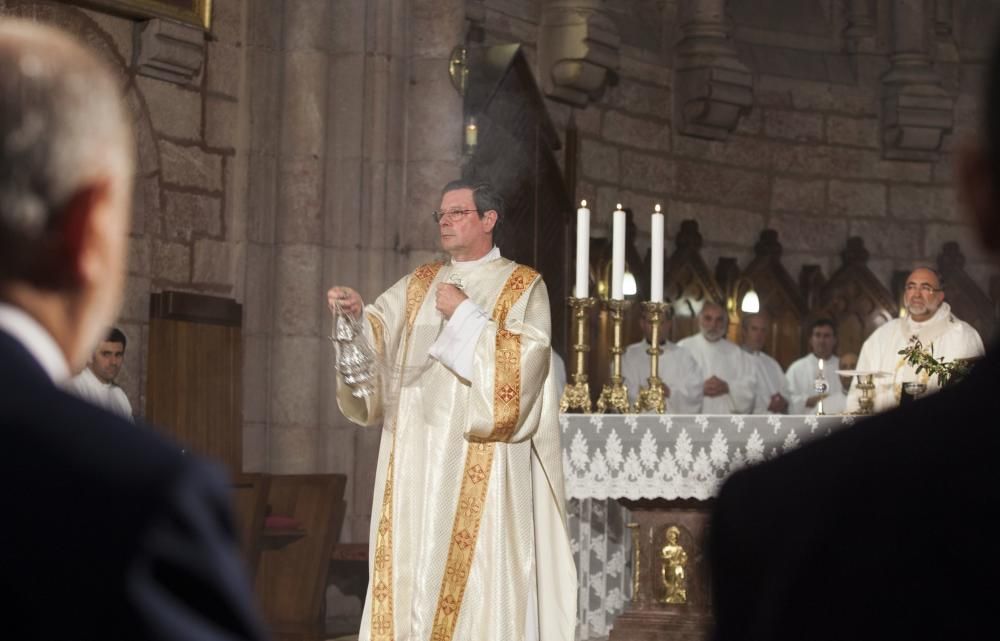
(455, 348)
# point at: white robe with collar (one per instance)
(87, 386)
(678, 370)
(951, 338)
(801, 376)
(729, 362)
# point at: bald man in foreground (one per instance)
(929, 318)
(109, 532)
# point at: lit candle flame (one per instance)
(657, 208)
(583, 203)
(618, 206)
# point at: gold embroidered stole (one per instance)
(479, 459)
(382, 625)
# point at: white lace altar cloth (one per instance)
(611, 456)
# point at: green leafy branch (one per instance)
(947, 372)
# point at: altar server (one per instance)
(802, 374)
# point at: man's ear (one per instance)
(978, 195)
(489, 220)
(84, 231)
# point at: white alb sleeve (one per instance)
(456, 346)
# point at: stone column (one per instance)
(712, 88)
(297, 347)
(393, 140)
(916, 110)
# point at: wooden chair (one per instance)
(688, 282)
(250, 492)
(967, 300)
(853, 299)
(292, 572)
(779, 296)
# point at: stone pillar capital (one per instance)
(169, 50)
(916, 111)
(712, 87)
(577, 49)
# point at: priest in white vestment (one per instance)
(468, 535)
(678, 370)
(730, 376)
(771, 394)
(928, 318)
(802, 374)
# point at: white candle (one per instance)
(656, 257)
(617, 253)
(582, 287)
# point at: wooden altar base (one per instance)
(646, 618)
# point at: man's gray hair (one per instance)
(62, 125)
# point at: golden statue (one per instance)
(674, 559)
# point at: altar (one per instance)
(665, 468)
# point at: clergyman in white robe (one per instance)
(468, 535)
(802, 376)
(727, 361)
(678, 370)
(952, 339)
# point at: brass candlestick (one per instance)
(576, 396)
(651, 397)
(614, 396)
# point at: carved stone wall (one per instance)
(836, 86)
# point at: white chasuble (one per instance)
(468, 536)
(950, 337)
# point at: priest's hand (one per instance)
(448, 298)
(778, 404)
(715, 386)
(348, 300)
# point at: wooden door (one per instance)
(194, 374)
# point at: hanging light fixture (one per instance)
(751, 302)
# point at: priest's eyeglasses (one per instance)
(452, 215)
(924, 288)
